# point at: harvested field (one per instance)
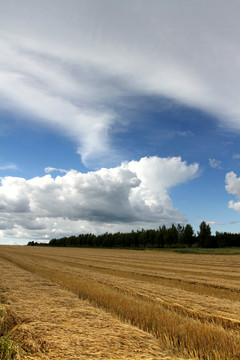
(121, 304)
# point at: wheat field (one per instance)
(72, 303)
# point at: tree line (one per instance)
(174, 236)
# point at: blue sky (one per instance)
(117, 116)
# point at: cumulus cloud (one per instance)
(67, 64)
(132, 195)
(233, 187)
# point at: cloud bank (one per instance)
(132, 195)
(70, 65)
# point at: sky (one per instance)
(118, 115)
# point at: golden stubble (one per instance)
(189, 303)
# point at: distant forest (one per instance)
(173, 237)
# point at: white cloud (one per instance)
(132, 195)
(50, 169)
(185, 133)
(214, 223)
(10, 166)
(236, 156)
(67, 64)
(215, 164)
(47, 96)
(233, 187)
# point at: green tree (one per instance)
(171, 236)
(204, 235)
(188, 235)
(180, 230)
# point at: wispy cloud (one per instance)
(38, 86)
(215, 223)
(9, 167)
(69, 71)
(185, 133)
(215, 164)
(52, 169)
(236, 156)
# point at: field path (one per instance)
(55, 324)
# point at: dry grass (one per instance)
(8, 349)
(56, 324)
(189, 302)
